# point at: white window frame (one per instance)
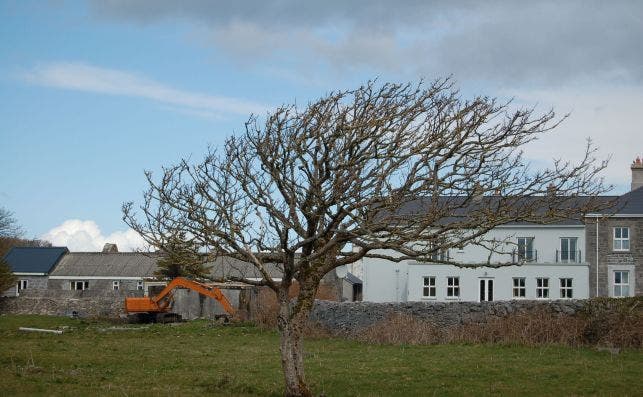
(516, 289)
(542, 288)
(528, 254)
(139, 286)
(571, 254)
(73, 285)
(23, 284)
(622, 284)
(453, 287)
(566, 288)
(612, 269)
(428, 285)
(116, 285)
(623, 243)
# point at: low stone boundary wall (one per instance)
(103, 306)
(109, 304)
(352, 316)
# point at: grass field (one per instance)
(198, 358)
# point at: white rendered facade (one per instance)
(551, 270)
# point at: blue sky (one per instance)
(93, 93)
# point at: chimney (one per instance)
(110, 248)
(551, 190)
(637, 173)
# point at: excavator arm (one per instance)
(162, 302)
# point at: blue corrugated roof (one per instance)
(34, 259)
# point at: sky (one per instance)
(93, 93)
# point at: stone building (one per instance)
(32, 266)
(616, 239)
(103, 271)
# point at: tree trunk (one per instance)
(291, 322)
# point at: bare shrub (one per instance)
(603, 322)
(539, 327)
(401, 329)
(614, 322)
(265, 306)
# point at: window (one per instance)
(566, 288)
(23, 284)
(440, 255)
(139, 285)
(568, 249)
(621, 239)
(621, 283)
(526, 249)
(116, 285)
(453, 287)
(542, 288)
(429, 287)
(79, 285)
(519, 290)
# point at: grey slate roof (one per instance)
(630, 203)
(353, 279)
(421, 205)
(34, 259)
(223, 267)
(98, 264)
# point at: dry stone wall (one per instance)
(350, 317)
(107, 303)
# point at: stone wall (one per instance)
(350, 317)
(608, 257)
(104, 306)
(109, 303)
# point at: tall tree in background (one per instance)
(181, 258)
(9, 225)
(11, 234)
(7, 279)
(321, 187)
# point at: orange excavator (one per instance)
(157, 308)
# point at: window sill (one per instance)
(426, 298)
(453, 298)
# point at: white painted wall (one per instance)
(387, 281)
(502, 280)
(546, 242)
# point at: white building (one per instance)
(553, 268)
(556, 261)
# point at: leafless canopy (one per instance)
(8, 225)
(321, 187)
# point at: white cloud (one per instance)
(83, 77)
(86, 236)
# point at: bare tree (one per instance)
(9, 225)
(11, 234)
(328, 185)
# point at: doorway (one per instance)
(486, 290)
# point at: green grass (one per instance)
(199, 359)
